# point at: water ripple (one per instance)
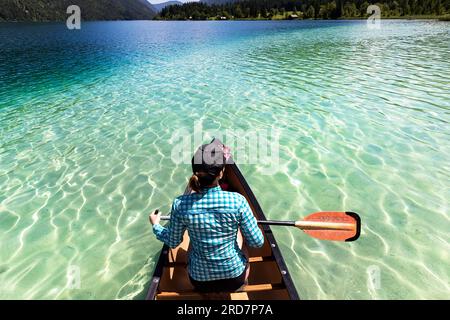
(86, 123)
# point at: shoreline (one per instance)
(444, 18)
(409, 18)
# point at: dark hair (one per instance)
(207, 163)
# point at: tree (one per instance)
(264, 13)
(419, 9)
(310, 13)
(325, 9)
(363, 9)
(247, 12)
(196, 15)
(328, 10)
(406, 8)
(350, 10)
(238, 12)
(438, 9)
(339, 8)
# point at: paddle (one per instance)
(333, 226)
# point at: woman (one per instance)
(213, 218)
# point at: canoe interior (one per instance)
(266, 281)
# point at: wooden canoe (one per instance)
(269, 276)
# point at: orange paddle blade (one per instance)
(335, 226)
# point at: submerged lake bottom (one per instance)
(89, 119)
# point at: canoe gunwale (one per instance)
(157, 274)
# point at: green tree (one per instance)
(363, 9)
(339, 8)
(438, 9)
(195, 15)
(238, 12)
(325, 9)
(419, 10)
(406, 8)
(328, 10)
(310, 12)
(350, 10)
(247, 12)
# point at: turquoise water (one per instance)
(86, 118)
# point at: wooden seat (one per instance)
(262, 271)
(281, 294)
(261, 292)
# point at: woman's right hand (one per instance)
(155, 217)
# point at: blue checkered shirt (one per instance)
(212, 218)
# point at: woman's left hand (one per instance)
(155, 217)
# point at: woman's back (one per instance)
(212, 218)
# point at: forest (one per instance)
(55, 10)
(304, 9)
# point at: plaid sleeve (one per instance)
(172, 235)
(249, 226)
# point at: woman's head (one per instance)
(208, 164)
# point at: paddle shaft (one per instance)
(305, 225)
